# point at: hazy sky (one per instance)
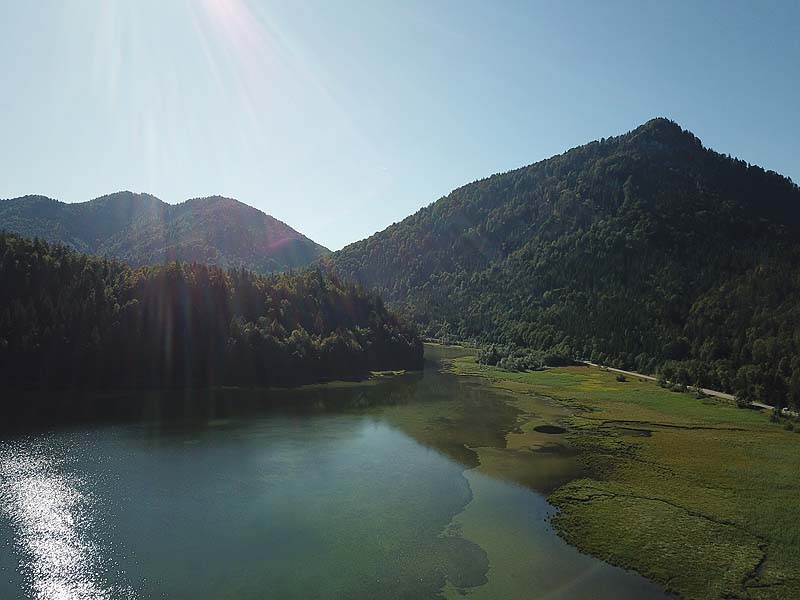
(342, 117)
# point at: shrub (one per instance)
(621, 378)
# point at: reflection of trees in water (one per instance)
(448, 413)
(199, 406)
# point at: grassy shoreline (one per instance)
(694, 494)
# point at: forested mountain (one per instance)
(70, 320)
(141, 229)
(645, 251)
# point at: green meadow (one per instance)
(695, 494)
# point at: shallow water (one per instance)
(416, 486)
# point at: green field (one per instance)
(695, 494)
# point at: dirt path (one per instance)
(706, 391)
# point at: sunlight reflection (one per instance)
(49, 515)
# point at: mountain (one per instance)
(141, 229)
(69, 320)
(645, 251)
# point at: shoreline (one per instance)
(648, 503)
(536, 459)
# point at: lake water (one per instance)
(415, 486)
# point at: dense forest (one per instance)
(644, 251)
(141, 230)
(68, 320)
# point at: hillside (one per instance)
(68, 320)
(141, 229)
(646, 251)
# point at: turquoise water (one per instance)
(341, 491)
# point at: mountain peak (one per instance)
(125, 196)
(664, 131)
(217, 202)
(660, 123)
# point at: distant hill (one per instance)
(645, 251)
(141, 229)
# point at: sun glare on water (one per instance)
(50, 515)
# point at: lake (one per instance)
(423, 485)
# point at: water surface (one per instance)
(416, 486)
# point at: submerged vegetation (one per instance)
(691, 492)
(69, 320)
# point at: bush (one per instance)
(621, 378)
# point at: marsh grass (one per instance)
(694, 493)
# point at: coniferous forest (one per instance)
(68, 320)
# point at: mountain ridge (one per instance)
(664, 125)
(142, 229)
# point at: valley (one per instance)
(496, 468)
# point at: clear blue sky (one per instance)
(341, 118)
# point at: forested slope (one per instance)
(68, 320)
(644, 251)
